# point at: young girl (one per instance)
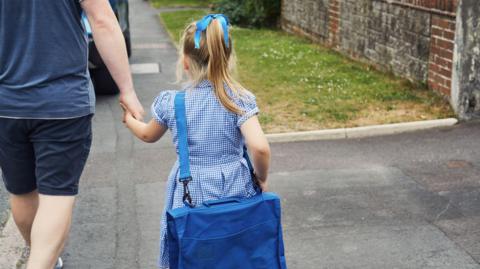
(221, 119)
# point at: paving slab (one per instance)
(4, 205)
(11, 245)
(357, 196)
(150, 201)
(465, 232)
(374, 247)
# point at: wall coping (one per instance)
(422, 8)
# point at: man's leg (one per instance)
(50, 229)
(17, 163)
(61, 150)
(24, 208)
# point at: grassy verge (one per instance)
(181, 3)
(303, 86)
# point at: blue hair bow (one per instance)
(203, 24)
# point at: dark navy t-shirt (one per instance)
(43, 60)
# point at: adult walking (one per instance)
(46, 107)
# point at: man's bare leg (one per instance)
(50, 230)
(24, 208)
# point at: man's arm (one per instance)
(110, 43)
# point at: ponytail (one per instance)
(218, 66)
(212, 57)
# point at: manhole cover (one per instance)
(457, 164)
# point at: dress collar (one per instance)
(204, 84)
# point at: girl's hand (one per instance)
(149, 132)
(262, 183)
(126, 114)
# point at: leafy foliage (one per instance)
(250, 13)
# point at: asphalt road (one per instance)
(401, 201)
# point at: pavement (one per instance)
(397, 201)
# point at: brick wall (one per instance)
(441, 54)
(333, 21)
(411, 38)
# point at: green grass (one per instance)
(303, 86)
(181, 3)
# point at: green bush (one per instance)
(250, 13)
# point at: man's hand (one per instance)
(130, 102)
(110, 43)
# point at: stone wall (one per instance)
(411, 38)
(306, 17)
(389, 35)
(466, 74)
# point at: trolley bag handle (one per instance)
(185, 174)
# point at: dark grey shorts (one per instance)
(44, 155)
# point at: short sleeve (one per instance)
(248, 105)
(162, 107)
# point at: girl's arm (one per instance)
(149, 132)
(259, 148)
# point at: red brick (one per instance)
(434, 49)
(446, 54)
(455, 4)
(444, 23)
(443, 53)
(445, 72)
(433, 85)
(437, 31)
(449, 35)
(437, 78)
(436, 85)
(334, 14)
(433, 68)
(443, 62)
(449, 83)
(444, 44)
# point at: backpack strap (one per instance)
(181, 120)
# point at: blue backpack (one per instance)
(229, 233)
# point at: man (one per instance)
(46, 107)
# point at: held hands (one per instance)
(131, 105)
(127, 115)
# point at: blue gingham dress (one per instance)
(215, 145)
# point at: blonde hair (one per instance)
(213, 61)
